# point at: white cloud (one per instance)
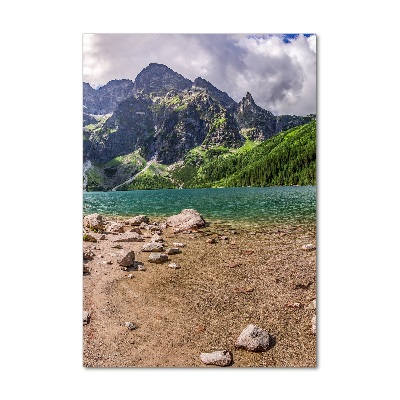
(281, 76)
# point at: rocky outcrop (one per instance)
(105, 99)
(222, 358)
(186, 219)
(253, 338)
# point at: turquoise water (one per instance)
(253, 205)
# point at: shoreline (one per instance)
(260, 276)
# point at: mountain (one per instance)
(141, 134)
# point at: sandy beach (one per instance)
(228, 277)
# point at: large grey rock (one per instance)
(187, 219)
(173, 250)
(156, 238)
(128, 237)
(153, 246)
(158, 258)
(127, 259)
(139, 219)
(253, 338)
(94, 221)
(115, 227)
(221, 358)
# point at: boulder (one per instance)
(158, 258)
(253, 338)
(153, 246)
(127, 259)
(128, 237)
(221, 358)
(187, 219)
(173, 250)
(94, 222)
(139, 219)
(115, 227)
(308, 247)
(86, 317)
(156, 238)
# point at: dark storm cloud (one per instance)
(279, 72)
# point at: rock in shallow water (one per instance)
(253, 338)
(187, 219)
(221, 358)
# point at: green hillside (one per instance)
(288, 158)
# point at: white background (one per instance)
(358, 219)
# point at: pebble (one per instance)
(173, 266)
(221, 358)
(308, 247)
(130, 325)
(141, 268)
(312, 305)
(178, 244)
(130, 276)
(253, 338)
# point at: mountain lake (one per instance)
(244, 206)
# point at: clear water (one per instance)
(250, 205)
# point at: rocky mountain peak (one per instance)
(217, 94)
(105, 99)
(158, 78)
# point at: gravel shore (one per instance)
(227, 277)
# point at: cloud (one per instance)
(279, 71)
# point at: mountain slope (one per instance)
(166, 118)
